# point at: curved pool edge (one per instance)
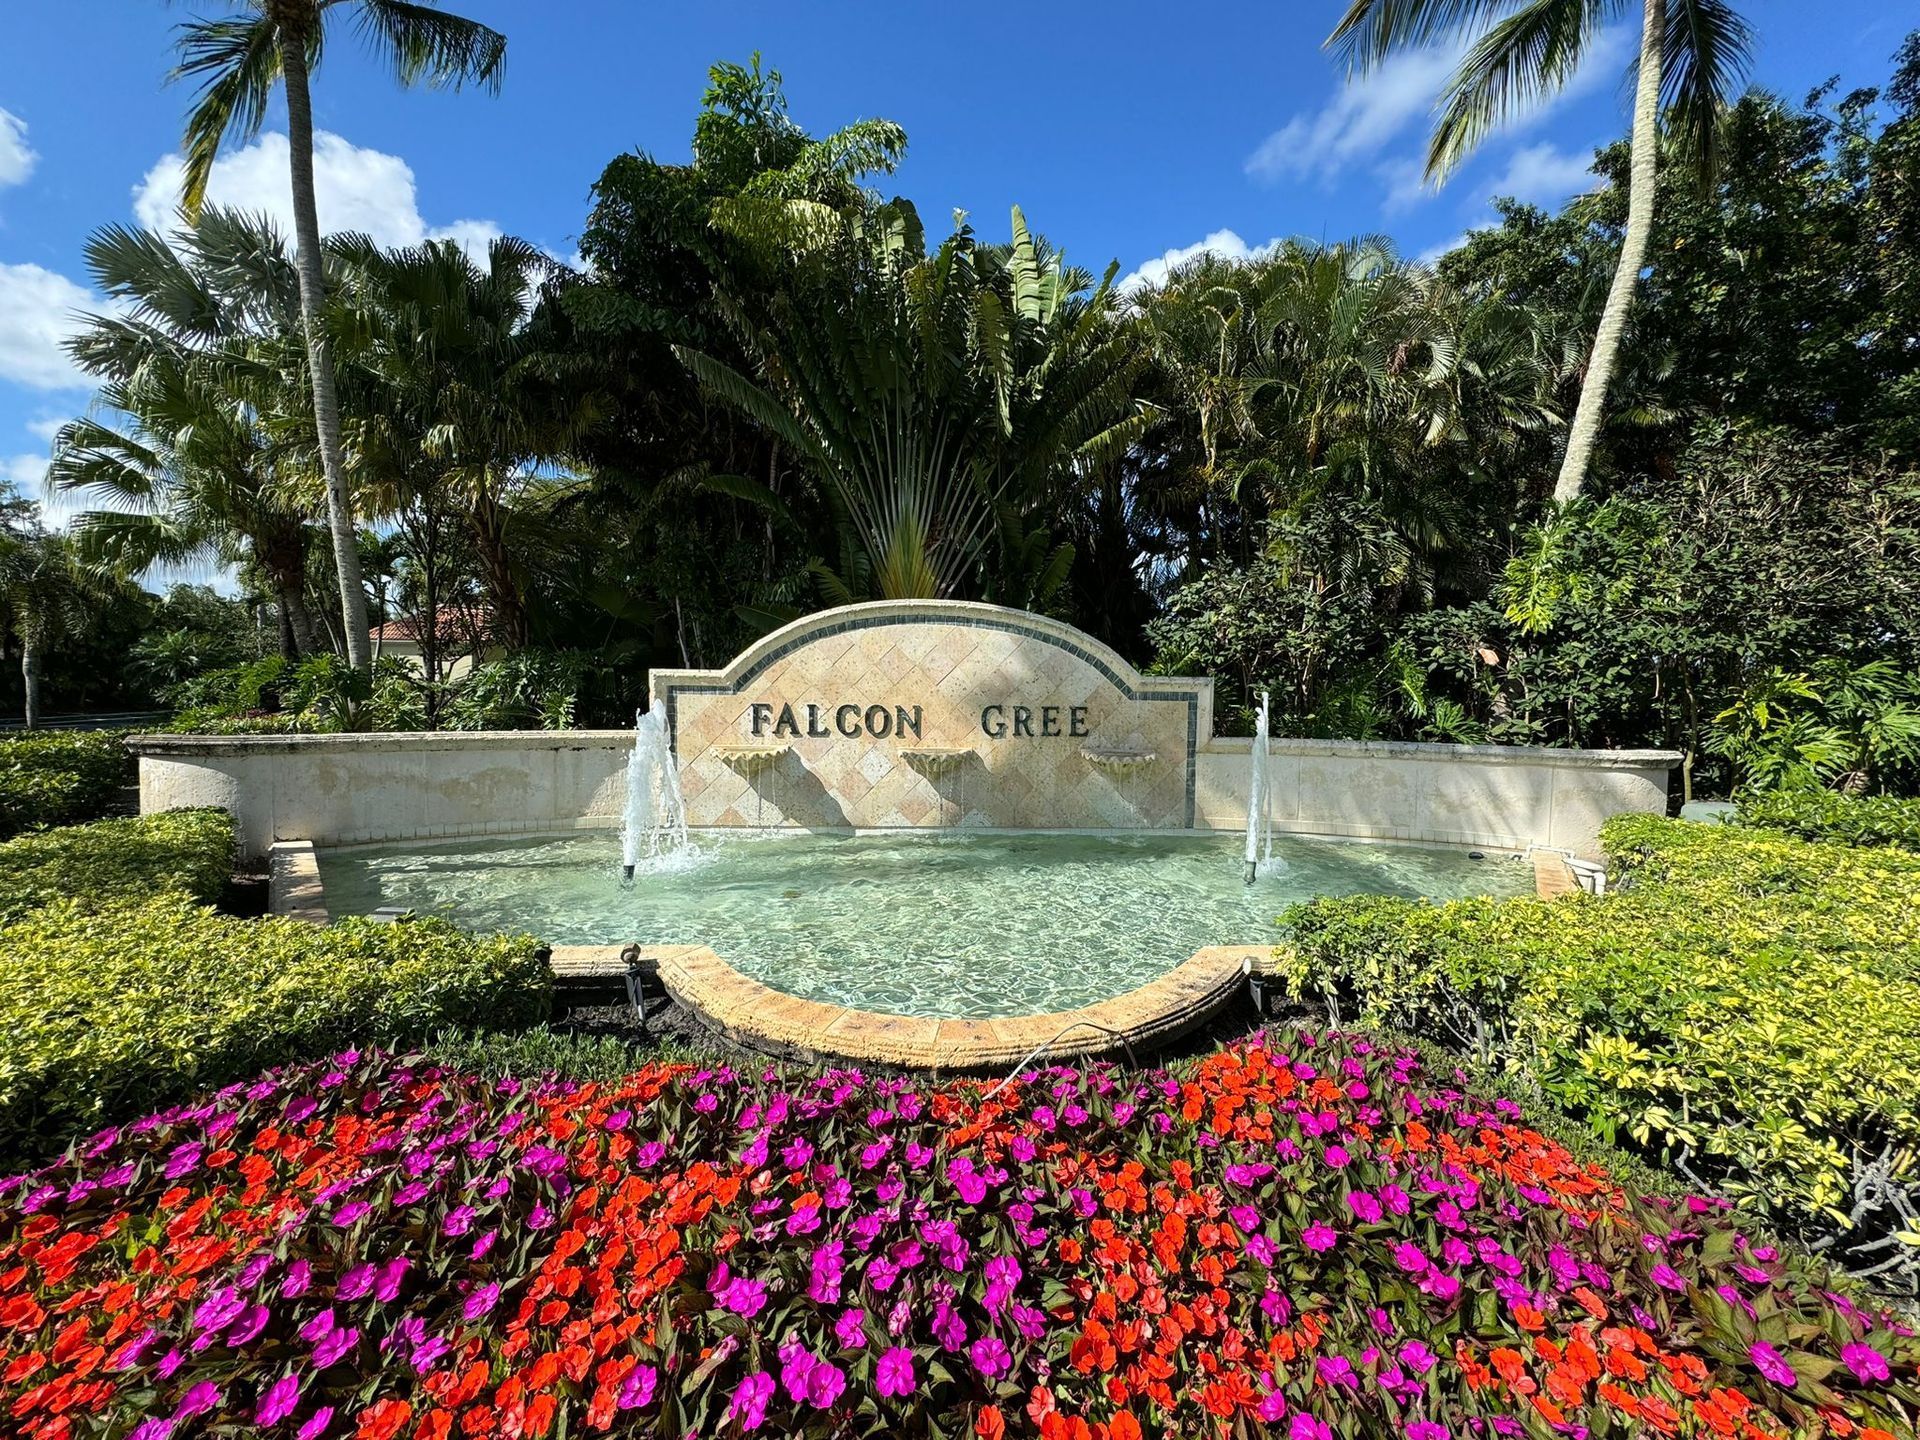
(759, 1017)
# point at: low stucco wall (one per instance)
(1499, 796)
(353, 789)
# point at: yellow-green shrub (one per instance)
(1827, 815)
(1744, 1005)
(117, 1008)
(136, 857)
(60, 776)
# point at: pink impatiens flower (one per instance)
(278, 1401)
(1770, 1363)
(750, 1399)
(1318, 1237)
(990, 1356)
(893, 1376)
(1868, 1365)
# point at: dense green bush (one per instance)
(1826, 815)
(117, 1008)
(1745, 1006)
(58, 777)
(133, 858)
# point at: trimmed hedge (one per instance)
(59, 777)
(186, 850)
(1745, 1007)
(116, 1008)
(1827, 815)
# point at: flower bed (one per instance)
(1315, 1236)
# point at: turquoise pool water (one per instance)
(965, 925)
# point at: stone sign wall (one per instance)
(920, 714)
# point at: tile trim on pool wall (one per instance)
(762, 1018)
(669, 686)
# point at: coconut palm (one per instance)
(1692, 57)
(236, 60)
(175, 443)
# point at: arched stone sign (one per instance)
(927, 713)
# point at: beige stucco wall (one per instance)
(1498, 796)
(346, 789)
(951, 661)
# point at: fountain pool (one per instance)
(963, 925)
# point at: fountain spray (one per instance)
(656, 817)
(1259, 786)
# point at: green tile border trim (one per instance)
(806, 634)
(770, 1021)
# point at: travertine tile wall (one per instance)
(962, 672)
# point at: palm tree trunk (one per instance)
(30, 676)
(488, 526)
(1642, 177)
(326, 401)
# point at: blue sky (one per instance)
(1124, 131)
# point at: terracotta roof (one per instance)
(449, 620)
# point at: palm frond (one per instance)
(1521, 60)
(1706, 54)
(424, 43)
(236, 62)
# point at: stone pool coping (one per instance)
(759, 1017)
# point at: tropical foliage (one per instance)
(1321, 473)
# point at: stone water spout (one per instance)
(656, 817)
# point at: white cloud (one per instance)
(1544, 174)
(1226, 244)
(1365, 116)
(355, 188)
(45, 427)
(27, 474)
(16, 156)
(36, 314)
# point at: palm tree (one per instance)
(940, 402)
(236, 61)
(1693, 54)
(461, 390)
(175, 441)
(48, 591)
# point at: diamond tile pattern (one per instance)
(947, 672)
